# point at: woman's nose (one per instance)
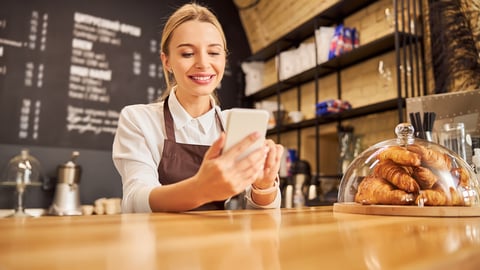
(201, 61)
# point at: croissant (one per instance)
(462, 175)
(400, 156)
(425, 177)
(439, 196)
(431, 197)
(408, 169)
(431, 158)
(375, 190)
(456, 199)
(396, 175)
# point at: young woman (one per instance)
(169, 153)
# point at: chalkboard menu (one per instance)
(67, 68)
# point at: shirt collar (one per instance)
(181, 118)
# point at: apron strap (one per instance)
(168, 121)
(219, 119)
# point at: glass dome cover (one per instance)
(22, 169)
(409, 171)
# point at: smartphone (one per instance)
(241, 122)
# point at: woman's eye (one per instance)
(186, 55)
(214, 53)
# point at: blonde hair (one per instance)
(188, 12)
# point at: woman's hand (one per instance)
(223, 175)
(271, 166)
(263, 189)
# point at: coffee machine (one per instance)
(66, 201)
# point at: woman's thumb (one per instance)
(216, 149)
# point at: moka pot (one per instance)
(66, 201)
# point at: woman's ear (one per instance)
(165, 64)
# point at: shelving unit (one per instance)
(409, 52)
(353, 57)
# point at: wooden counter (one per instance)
(307, 238)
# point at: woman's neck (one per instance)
(195, 105)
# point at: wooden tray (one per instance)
(401, 210)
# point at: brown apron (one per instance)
(181, 161)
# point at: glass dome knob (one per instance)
(405, 134)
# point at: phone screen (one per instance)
(243, 122)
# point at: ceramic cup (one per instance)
(295, 116)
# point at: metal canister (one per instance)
(70, 172)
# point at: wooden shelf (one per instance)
(362, 53)
(328, 17)
(391, 104)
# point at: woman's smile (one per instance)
(202, 79)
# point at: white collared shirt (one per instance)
(138, 146)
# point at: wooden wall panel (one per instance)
(270, 73)
(371, 22)
(329, 149)
(374, 128)
(362, 84)
(269, 20)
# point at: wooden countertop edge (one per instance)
(413, 211)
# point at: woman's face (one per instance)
(197, 58)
